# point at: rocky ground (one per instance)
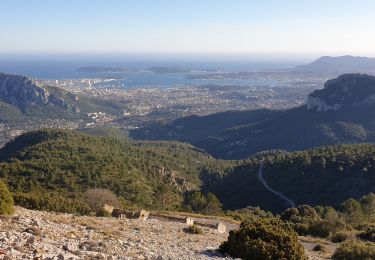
(43, 235)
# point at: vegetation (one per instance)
(97, 198)
(320, 248)
(339, 237)
(322, 176)
(194, 229)
(63, 165)
(248, 213)
(329, 222)
(6, 200)
(354, 250)
(263, 239)
(203, 204)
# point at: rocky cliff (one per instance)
(349, 91)
(21, 92)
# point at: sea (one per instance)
(60, 69)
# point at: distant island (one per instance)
(156, 69)
(161, 70)
(97, 69)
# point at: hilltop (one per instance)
(335, 66)
(342, 112)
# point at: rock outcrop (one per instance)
(21, 91)
(347, 91)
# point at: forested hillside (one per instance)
(323, 176)
(162, 175)
(50, 163)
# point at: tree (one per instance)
(213, 205)
(368, 206)
(205, 204)
(352, 211)
(6, 200)
(97, 198)
(163, 196)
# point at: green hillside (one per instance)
(68, 163)
(65, 164)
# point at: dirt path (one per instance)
(279, 194)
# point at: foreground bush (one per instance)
(6, 200)
(306, 221)
(194, 229)
(264, 239)
(353, 250)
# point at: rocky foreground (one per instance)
(30, 234)
(42, 235)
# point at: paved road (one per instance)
(263, 181)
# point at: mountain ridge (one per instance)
(237, 135)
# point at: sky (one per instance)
(211, 27)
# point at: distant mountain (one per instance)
(334, 66)
(22, 97)
(342, 112)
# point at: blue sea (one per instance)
(40, 68)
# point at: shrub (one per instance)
(263, 239)
(194, 229)
(320, 248)
(325, 228)
(103, 213)
(306, 221)
(339, 237)
(353, 250)
(6, 200)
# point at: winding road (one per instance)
(263, 181)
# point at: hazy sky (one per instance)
(189, 26)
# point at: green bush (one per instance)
(194, 229)
(306, 221)
(263, 239)
(353, 250)
(6, 200)
(339, 237)
(325, 228)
